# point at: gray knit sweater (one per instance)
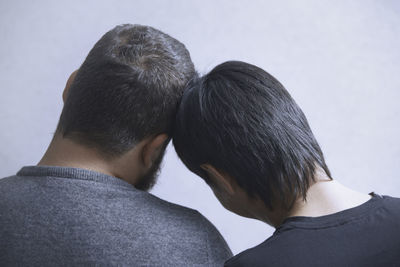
(58, 216)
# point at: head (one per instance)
(125, 95)
(239, 129)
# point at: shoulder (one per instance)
(392, 205)
(255, 256)
(272, 251)
(182, 215)
(10, 184)
(391, 200)
(169, 209)
(8, 181)
(193, 225)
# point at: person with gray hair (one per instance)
(86, 201)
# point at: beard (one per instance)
(148, 180)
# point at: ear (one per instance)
(153, 148)
(219, 178)
(68, 85)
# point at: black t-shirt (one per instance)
(367, 235)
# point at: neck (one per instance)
(327, 197)
(324, 197)
(67, 153)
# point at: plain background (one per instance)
(340, 60)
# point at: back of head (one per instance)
(242, 121)
(127, 89)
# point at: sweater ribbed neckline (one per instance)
(72, 173)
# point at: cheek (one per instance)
(230, 202)
(222, 197)
(235, 203)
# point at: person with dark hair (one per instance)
(239, 129)
(85, 203)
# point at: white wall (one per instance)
(339, 59)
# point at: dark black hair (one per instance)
(128, 88)
(242, 121)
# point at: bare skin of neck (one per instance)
(66, 153)
(324, 197)
(327, 197)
